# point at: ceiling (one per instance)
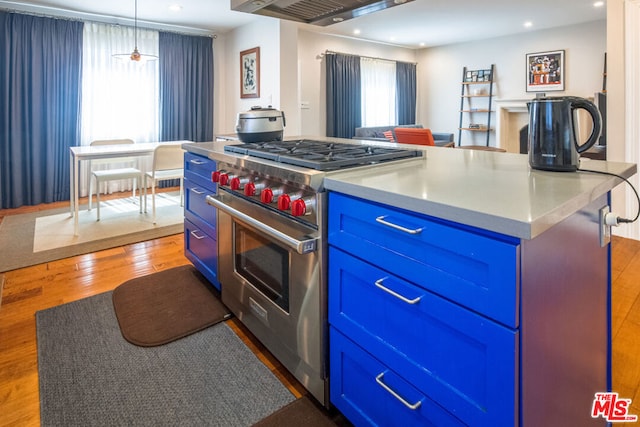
(421, 23)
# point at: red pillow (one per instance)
(389, 135)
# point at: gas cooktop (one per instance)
(321, 155)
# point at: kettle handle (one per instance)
(596, 118)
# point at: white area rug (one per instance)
(117, 217)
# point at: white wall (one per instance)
(440, 69)
(265, 33)
(279, 86)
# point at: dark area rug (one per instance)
(89, 375)
(303, 412)
(162, 307)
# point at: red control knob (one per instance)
(298, 207)
(266, 196)
(215, 176)
(284, 202)
(235, 183)
(224, 179)
(250, 189)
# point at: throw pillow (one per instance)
(389, 135)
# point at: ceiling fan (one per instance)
(135, 55)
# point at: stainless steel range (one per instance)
(272, 244)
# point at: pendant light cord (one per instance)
(135, 24)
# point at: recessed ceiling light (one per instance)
(338, 19)
(423, 44)
(356, 31)
(598, 4)
(175, 8)
(528, 24)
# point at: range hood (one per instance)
(316, 12)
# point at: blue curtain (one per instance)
(40, 71)
(344, 112)
(186, 87)
(406, 93)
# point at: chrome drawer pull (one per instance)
(378, 283)
(198, 192)
(194, 234)
(197, 162)
(396, 395)
(381, 220)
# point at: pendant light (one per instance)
(135, 55)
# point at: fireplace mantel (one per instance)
(511, 116)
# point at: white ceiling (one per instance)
(415, 24)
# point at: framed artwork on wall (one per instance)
(250, 73)
(545, 71)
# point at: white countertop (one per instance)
(488, 190)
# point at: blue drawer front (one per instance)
(199, 165)
(461, 360)
(196, 203)
(202, 250)
(470, 268)
(364, 400)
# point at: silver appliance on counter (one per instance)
(260, 124)
(272, 244)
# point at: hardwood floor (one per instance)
(46, 285)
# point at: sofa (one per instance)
(376, 133)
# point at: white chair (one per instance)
(168, 163)
(106, 175)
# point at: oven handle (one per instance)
(300, 246)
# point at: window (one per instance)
(378, 86)
(119, 99)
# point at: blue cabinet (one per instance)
(431, 307)
(200, 238)
(437, 323)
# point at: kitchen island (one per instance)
(467, 289)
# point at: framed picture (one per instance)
(250, 73)
(545, 71)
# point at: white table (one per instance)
(88, 152)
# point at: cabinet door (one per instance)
(461, 360)
(201, 166)
(369, 393)
(479, 270)
(196, 204)
(202, 250)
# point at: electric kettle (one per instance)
(552, 138)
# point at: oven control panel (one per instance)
(269, 191)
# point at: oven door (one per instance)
(270, 270)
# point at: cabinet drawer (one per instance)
(457, 262)
(363, 389)
(202, 250)
(462, 360)
(199, 165)
(195, 203)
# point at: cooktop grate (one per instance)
(321, 155)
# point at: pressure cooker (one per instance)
(260, 125)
